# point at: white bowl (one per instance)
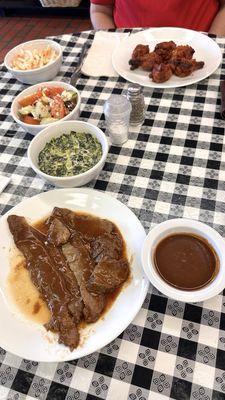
(32, 76)
(34, 129)
(39, 141)
(181, 225)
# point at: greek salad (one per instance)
(46, 105)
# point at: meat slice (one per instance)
(108, 275)
(80, 262)
(58, 233)
(106, 246)
(48, 279)
(86, 225)
(76, 304)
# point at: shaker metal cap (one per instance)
(134, 89)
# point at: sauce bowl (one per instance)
(176, 226)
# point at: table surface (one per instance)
(173, 166)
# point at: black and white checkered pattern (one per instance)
(173, 166)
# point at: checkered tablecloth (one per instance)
(173, 166)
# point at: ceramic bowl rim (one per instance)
(32, 71)
(183, 225)
(68, 178)
(49, 84)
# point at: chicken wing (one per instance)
(149, 60)
(161, 73)
(165, 49)
(139, 51)
(183, 67)
(183, 52)
(198, 64)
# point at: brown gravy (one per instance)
(186, 261)
(25, 295)
(27, 298)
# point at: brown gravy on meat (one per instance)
(26, 295)
(186, 261)
(27, 298)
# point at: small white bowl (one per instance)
(32, 76)
(181, 225)
(40, 140)
(34, 129)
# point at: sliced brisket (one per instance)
(47, 278)
(81, 264)
(108, 275)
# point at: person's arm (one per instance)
(102, 16)
(218, 24)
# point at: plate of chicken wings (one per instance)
(70, 271)
(166, 57)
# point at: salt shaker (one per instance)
(137, 100)
(117, 114)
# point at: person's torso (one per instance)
(192, 14)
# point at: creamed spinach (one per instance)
(70, 154)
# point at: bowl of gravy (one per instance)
(185, 260)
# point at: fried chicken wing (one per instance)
(183, 52)
(183, 67)
(165, 49)
(161, 73)
(139, 51)
(134, 63)
(198, 64)
(149, 60)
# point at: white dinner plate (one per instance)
(206, 49)
(30, 340)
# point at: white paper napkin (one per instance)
(4, 181)
(99, 58)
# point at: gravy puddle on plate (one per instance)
(25, 295)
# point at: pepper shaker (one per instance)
(137, 100)
(117, 114)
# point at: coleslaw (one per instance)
(32, 59)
